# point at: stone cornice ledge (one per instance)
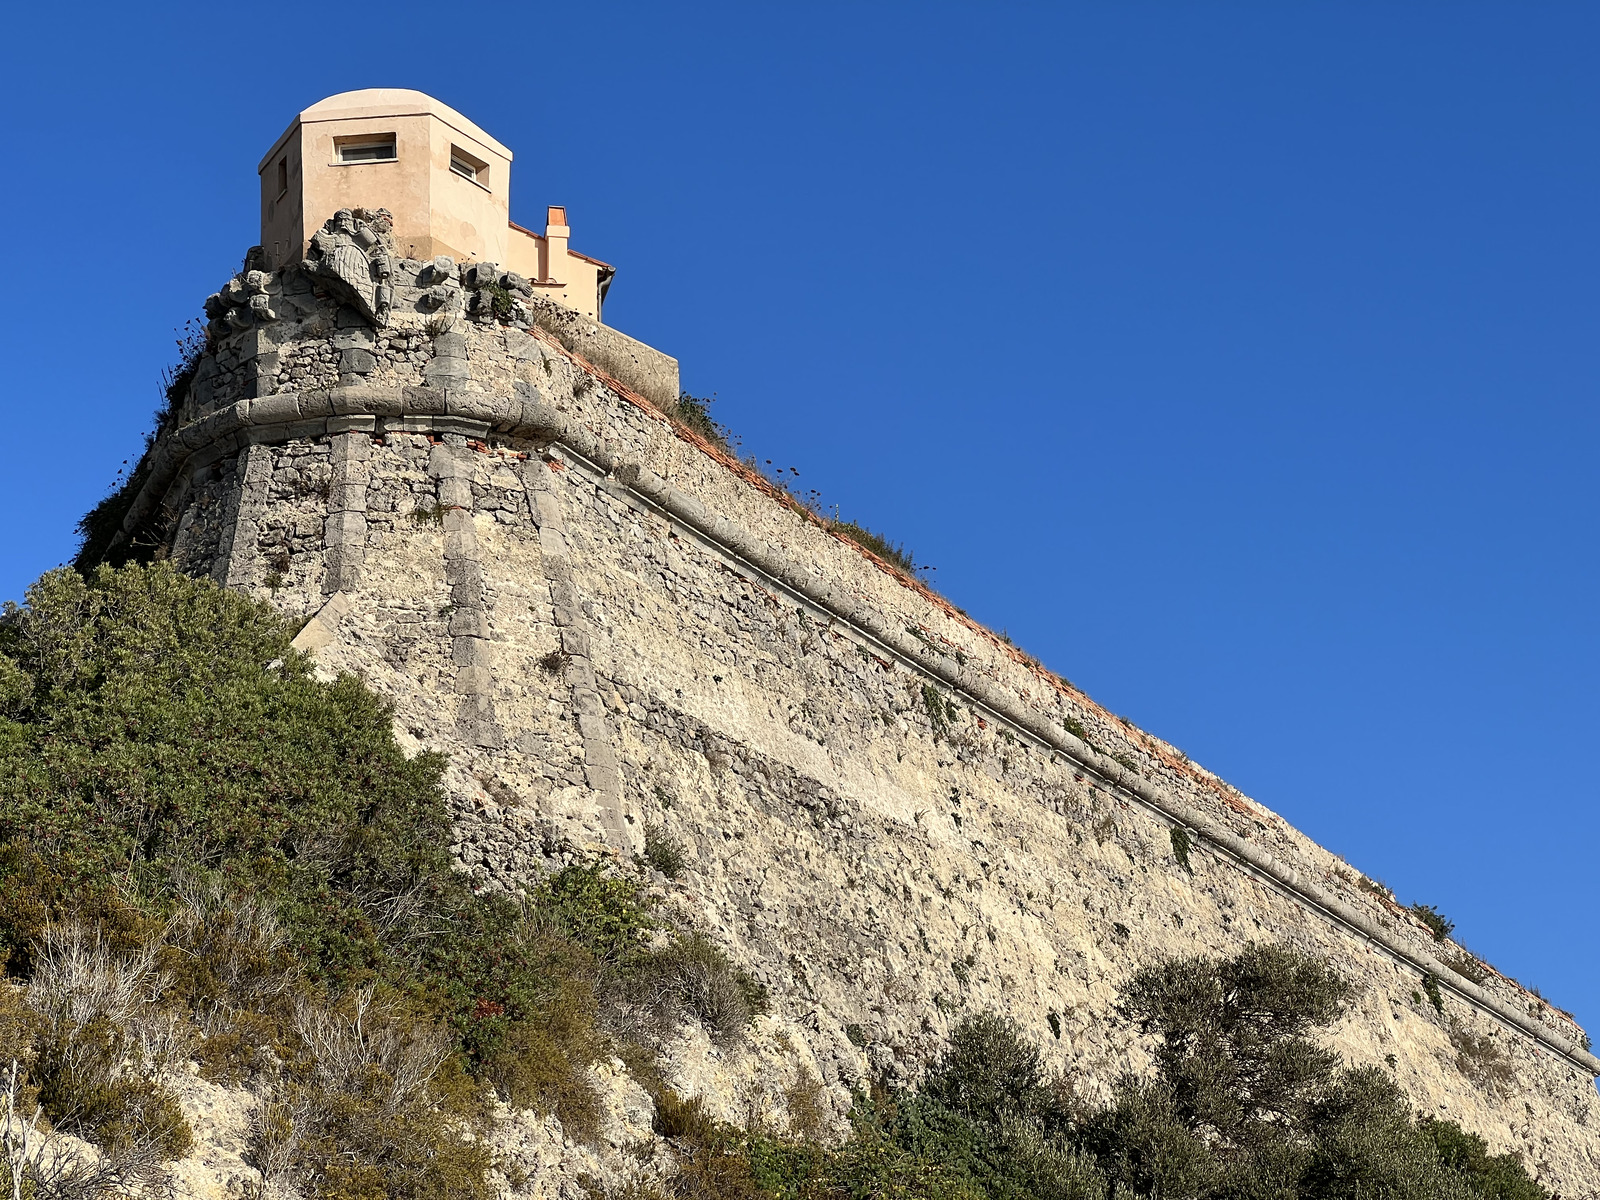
(525, 413)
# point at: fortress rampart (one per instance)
(893, 816)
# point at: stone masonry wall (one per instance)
(474, 522)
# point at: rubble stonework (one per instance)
(893, 818)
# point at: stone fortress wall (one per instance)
(893, 817)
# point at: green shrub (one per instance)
(691, 978)
(603, 912)
(171, 723)
(1493, 1176)
(497, 301)
(664, 852)
(176, 783)
(87, 1088)
(1241, 1103)
(714, 1160)
(368, 1110)
(1438, 924)
(990, 1071)
(1231, 1034)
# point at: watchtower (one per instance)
(445, 183)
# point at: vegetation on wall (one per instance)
(693, 413)
(100, 525)
(893, 553)
(1242, 1102)
(1438, 924)
(208, 854)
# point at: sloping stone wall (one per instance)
(893, 817)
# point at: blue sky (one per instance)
(1238, 359)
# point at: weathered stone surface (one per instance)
(558, 592)
(360, 362)
(638, 366)
(353, 256)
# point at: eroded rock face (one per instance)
(474, 519)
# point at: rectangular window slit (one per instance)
(469, 167)
(372, 148)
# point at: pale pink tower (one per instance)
(445, 183)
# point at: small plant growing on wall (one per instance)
(1430, 987)
(1374, 888)
(939, 711)
(694, 413)
(664, 852)
(1468, 966)
(893, 553)
(1480, 1059)
(499, 302)
(1438, 924)
(1180, 847)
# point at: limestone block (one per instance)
(348, 497)
(346, 526)
(469, 622)
(272, 410)
(357, 361)
(422, 400)
(470, 651)
(450, 345)
(443, 372)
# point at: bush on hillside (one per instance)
(169, 730)
(1241, 1103)
(240, 855)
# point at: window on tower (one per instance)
(366, 148)
(469, 167)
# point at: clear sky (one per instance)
(1239, 359)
